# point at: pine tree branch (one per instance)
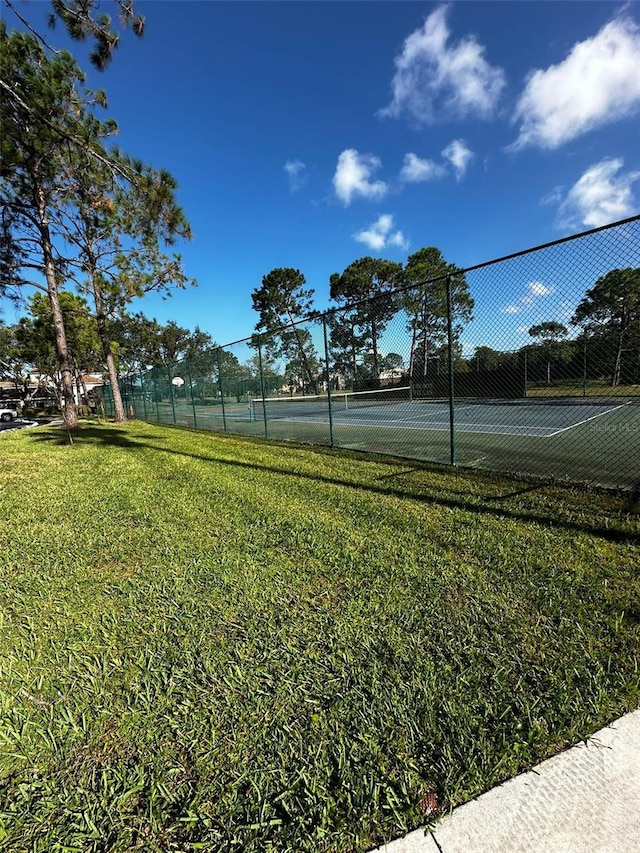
(114, 168)
(30, 28)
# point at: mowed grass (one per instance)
(579, 388)
(221, 644)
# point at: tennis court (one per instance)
(578, 439)
(525, 404)
(595, 440)
(380, 409)
(538, 420)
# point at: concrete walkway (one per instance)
(584, 800)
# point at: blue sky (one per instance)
(309, 134)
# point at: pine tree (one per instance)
(41, 100)
(84, 21)
(425, 303)
(282, 301)
(62, 187)
(121, 221)
(366, 287)
(611, 310)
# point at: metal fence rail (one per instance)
(527, 364)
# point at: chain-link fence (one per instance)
(527, 364)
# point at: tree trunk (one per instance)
(119, 415)
(69, 407)
(374, 345)
(354, 359)
(425, 338)
(412, 350)
(617, 369)
(313, 385)
(81, 389)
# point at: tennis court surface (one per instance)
(375, 409)
(579, 439)
(394, 409)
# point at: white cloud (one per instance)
(537, 288)
(380, 235)
(296, 172)
(459, 156)
(352, 176)
(521, 330)
(435, 80)
(416, 170)
(602, 195)
(554, 196)
(597, 83)
(456, 155)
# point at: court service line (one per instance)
(586, 420)
(531, 429)
(443, 426)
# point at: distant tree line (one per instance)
(606, 347)
(366, 296)
(138, 344)
(434, 297)
(369, 293)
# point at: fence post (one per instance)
(155, 396)
(526, 366)
(173, 404)
(193, 404)
(452, 428)
(264, 399)
(326, 361)
(122, 383)
(144, 401)
(221, 390)
(584, 368)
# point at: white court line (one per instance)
(522, 430)
(531, 431)
(586, 420)
(435, 413)
(443, 426)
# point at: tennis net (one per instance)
(318, 404)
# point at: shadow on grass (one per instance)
(633, 504)
(109, 436)
(112, 436)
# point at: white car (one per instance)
(8, 414)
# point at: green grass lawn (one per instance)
(222, 644)
(578, 388)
